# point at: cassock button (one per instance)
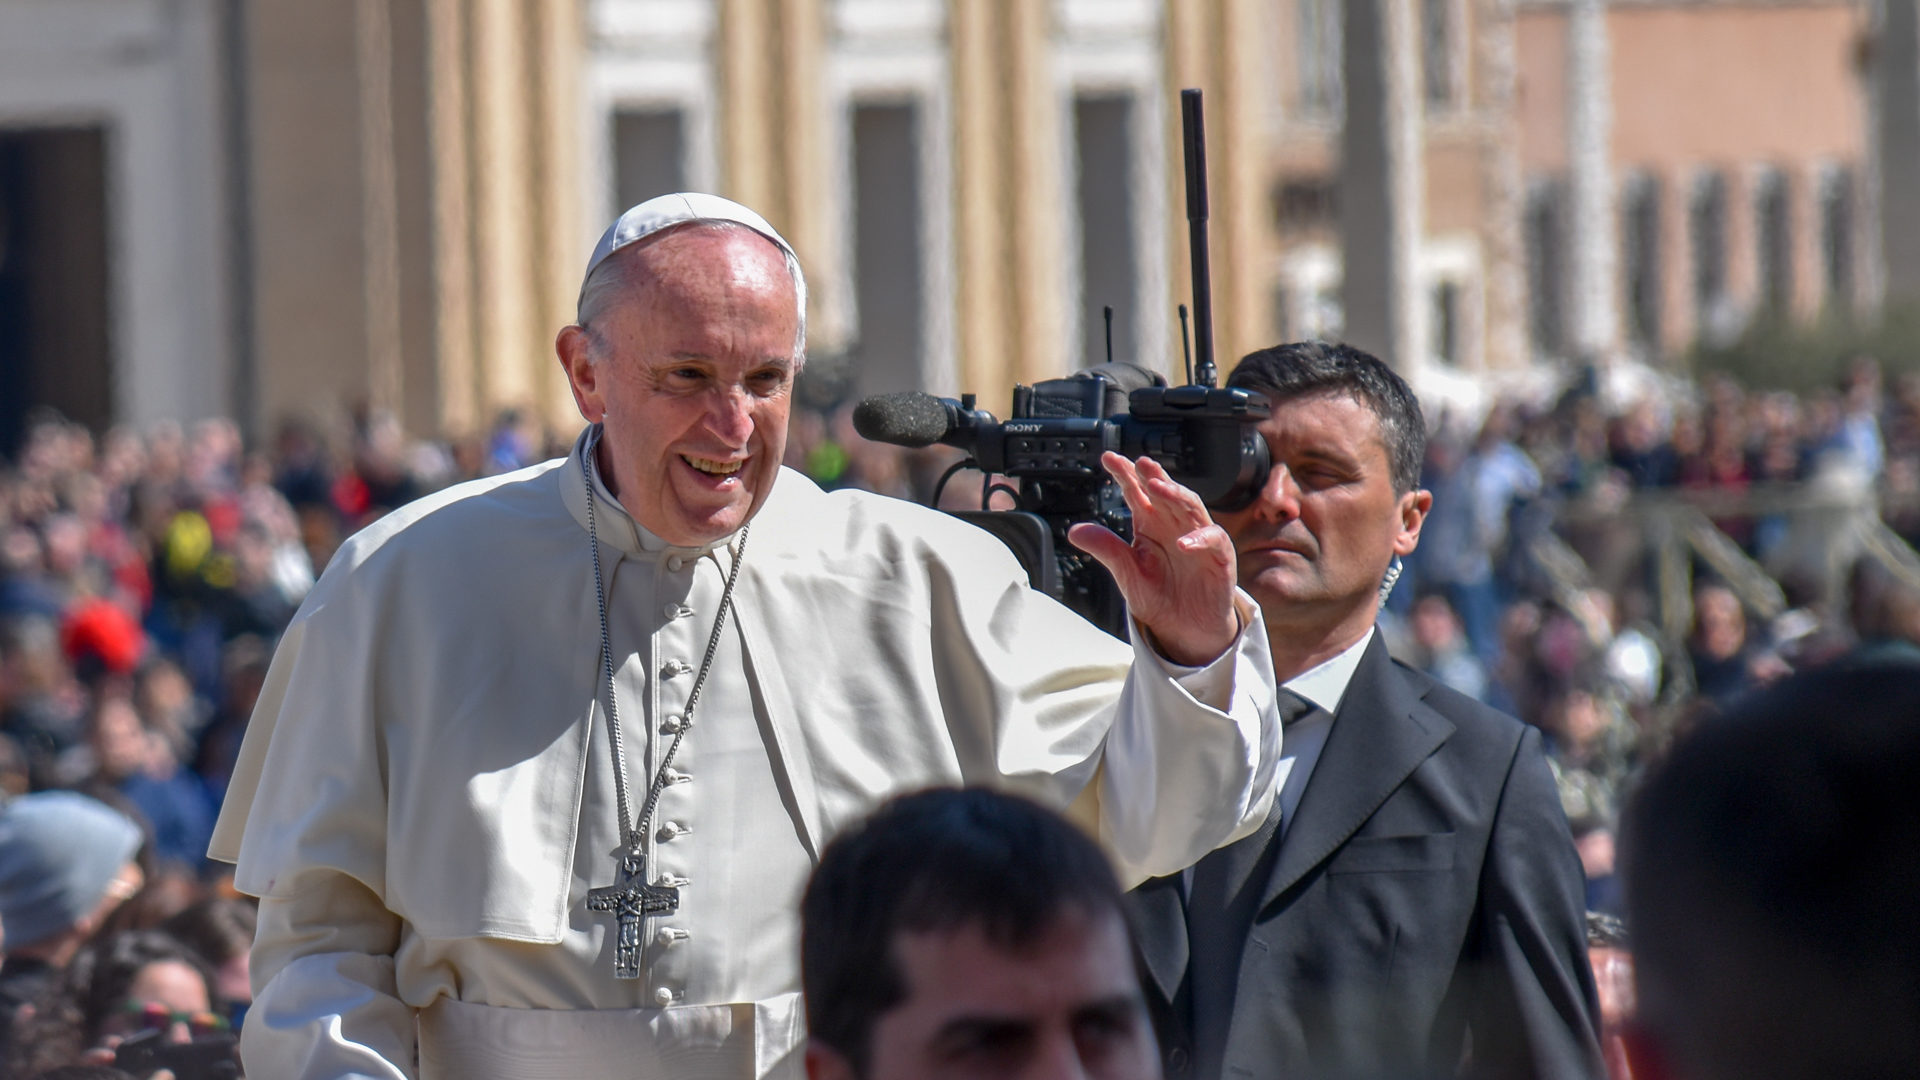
(668, 935)
(674, 563)
(675, 776)
(672, 829)
(673, 669)
(663, 996)
(677, 611)
(672, 724)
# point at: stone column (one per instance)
(1036, 192)
(980, 172)
(1743, 241)
(1593, 326)
(1804, 226)
(1896, 145)
(415, 169)
(320, 148)
(1382, 181)
(774, 131)
(1503, 187)
(746, 81)
(1679, 308)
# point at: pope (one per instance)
(544, 761)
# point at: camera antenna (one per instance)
(1193, 134)
(1109, 312)
(1186, 344)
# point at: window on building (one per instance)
(1546, 264)
(1307, 207)
(1773, 213)
(1445, 329)
(1439, 52)
(1317, 41)
(54, 298)
(1836, 234)
(888, 209)
(1707, 235)
(649, 154)
(1640, 249)
(1109, 266)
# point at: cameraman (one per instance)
(1414, 901)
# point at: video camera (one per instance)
(1052, 441)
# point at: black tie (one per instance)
(1225, 896)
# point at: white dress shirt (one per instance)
(1325, 685)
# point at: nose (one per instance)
(731, 415)
(1058, 1059)
(1279, 497)
(178, 1032)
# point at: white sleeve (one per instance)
(1189, 763)
(325, 1005)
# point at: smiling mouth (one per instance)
(713, 467)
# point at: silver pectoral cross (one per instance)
(631, 900)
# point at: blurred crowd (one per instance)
(146, 575)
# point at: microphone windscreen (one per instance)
(906, 419)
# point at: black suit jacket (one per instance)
(1426, 908)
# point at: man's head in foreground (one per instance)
(1772, 867)
(1343, 498)
(691, 328)
(969, 934)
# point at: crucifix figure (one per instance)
(631, 900)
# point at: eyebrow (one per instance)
(969, 1030)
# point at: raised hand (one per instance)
(1178, 574)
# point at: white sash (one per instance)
(760, 1041)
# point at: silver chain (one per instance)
(631, 836)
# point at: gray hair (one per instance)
(609, 280)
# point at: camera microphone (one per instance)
(915, 419)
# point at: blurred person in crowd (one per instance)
(66, 862)
(1770, 886)
(15, 778)
(45, 704)
(1640, 448)
(1857, 434)
(26, 589)
(119, 987)
(143, 766)
(513, 444)
(1611, 954)
(1415, 832)
(1473, 504)
(969, 934)
(1590, 744)
(452, 849)
(1440, 647)
(220, 931)
(1726, 660)
(243, 666)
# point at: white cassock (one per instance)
(425, 794)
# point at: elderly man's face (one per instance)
(691, 376)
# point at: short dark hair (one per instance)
(927, 862)
(1770, 883)
(1313, 367)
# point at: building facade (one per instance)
(275, 208)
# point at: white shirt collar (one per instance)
(1325, 684)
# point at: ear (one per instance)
(1413, 514)
(826, 1063)
(574, 347)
